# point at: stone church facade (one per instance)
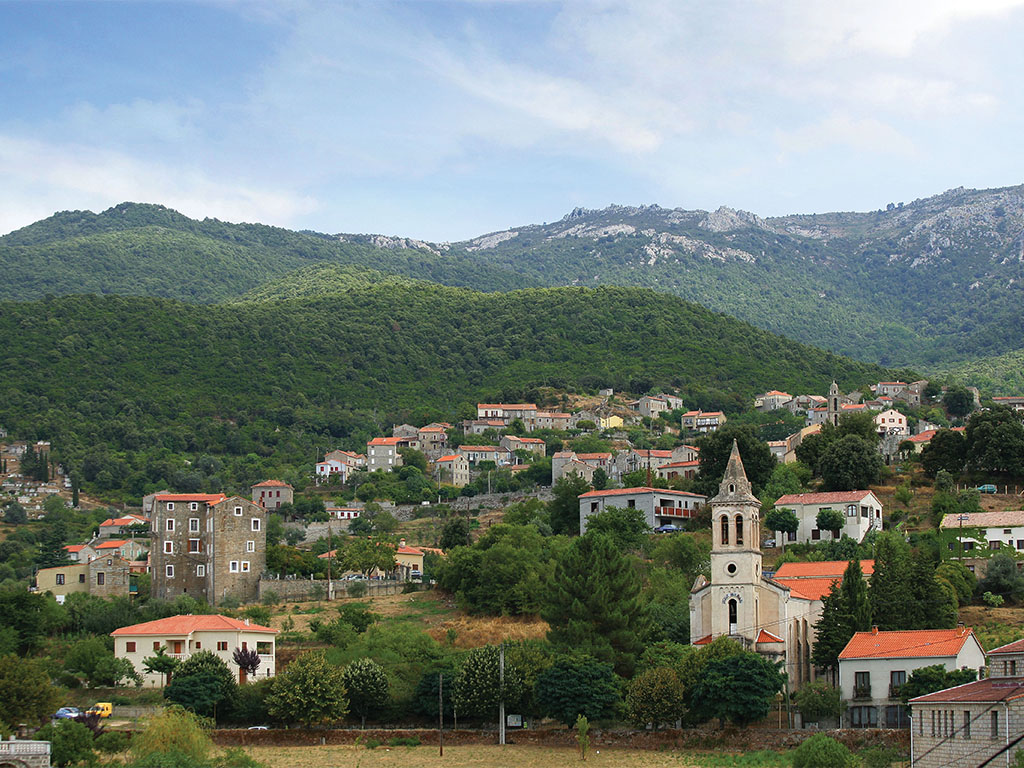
(764, 615)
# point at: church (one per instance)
(772, 616)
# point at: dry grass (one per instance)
(474, 631)
(462, 757)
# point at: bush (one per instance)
(879, 757)
(373, 743)
(404, 741)
(270, 598)
(112, 742)
(357, 589)
(821, 751)
(173, 738)
(70, 742)
(993, 601)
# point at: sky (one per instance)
(447, 120)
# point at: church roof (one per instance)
(820, 569)
(764, 636)
(735, 488)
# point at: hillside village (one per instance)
(768, 556)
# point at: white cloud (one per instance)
(866, 135)
(42, 177)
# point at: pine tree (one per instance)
(892, 600)
(593, 604)
(854, 593)
(934, 601)
(832, 630)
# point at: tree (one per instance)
(173, 736)
(784, 521)
(655, 696)
(478, 689)
(995, 441)
(161, 664)
(854, 593)
(600, 479)
(892, 604)
(15, 514)
(247, 659)
(818, 700)
(455, 534)
(367, 686)
(846, 609)
(946, 451)
(850, 463)
(740, 689)
(959, 578)
(821, 751)
(958, 401)
(687, 554)
(715, 448)
(26, 695)
(830, 520)
(593, 604)
(626, 527)
(564, 508)
(71, 742)
(934, 599)
(367, 555)
(934, 678)
(203, 684)
(310, 691)
(576, 685)
(1002, 577)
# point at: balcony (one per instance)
(894, 691)
(672, 512)
(862, 692)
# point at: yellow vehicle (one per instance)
(101, 708)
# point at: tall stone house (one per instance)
(208, 546)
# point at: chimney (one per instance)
(874, 630)
(247, 622)
(401, 543)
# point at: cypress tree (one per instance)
(832, 630)
(593, 604)
(854, 592)
(892, 601)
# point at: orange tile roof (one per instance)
(653, 453)
(184, 625)
(113, 544)
(74, 547)
(452, 457)
(765, 636)
(386, 440)
(509, 407)
(592, 456)
(643, 489)
(208, 498)
(916, 643)
(809, 589)
(820, 569)
(408, 551)
(674, 464)
(1004, 519)
(478, 448)
(703, 641)
(923, 437)
(432, 429)
(533, 440)
(1017, 646)
(832, 497)
(272, 484)
(992, 689)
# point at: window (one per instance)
(129, 647)
(238, 511)
(170, 506)
(967, 724)
(101, 579)
(222, 646)
(725, 529)
(896, 680)
(198, 645)
(851, 510)
(865, 512)
(994, 544)
(631, 504)
(933, 723)
(815, 534)
(264, 648)
(968, 546)
(861, 685)
(1020, 543)
(593, 506)
(194, 545)
(168, 547)
(193, 506)
(250, 546)
(169, 571)
(156, 646)
(81, 578)
(233, 566)
(739, 530)
(193, 525)
(896, 716)
(791, 536)
(995, 724)
(245, 566)
(60, 578)
(1013, 668)
(255, 523)
(170, 525)
(863, 717)
(201, 570)
(1006, 530)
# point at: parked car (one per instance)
(101, 708)
(667, 528)
(67, 713)
(987, 488)
(768, 543)
(257, 728)
(416, 575)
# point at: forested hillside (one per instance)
(149, 250)
(128, 387)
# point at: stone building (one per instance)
(272, 494)
(208, 546)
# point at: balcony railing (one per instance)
(862, 692)
(673, 512)
(894, 691)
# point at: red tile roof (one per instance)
(628, 491)
(992, 689)
(820, 569)
(916, 643)
(533, 440)
(408, 551)
(1003, 519)
(387, 440)
(452, 457)
(509, 407)
(653, 453)
(74, 547)
(112, 544)
(674, 464)
(184, 625)
(1017, 646)
(809, 589)
(923, 437)
(767, 637)
(831, 497)
(703, 641)
(592, 456)
(272, 484)
(209, 498)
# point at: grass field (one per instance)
(500, 757)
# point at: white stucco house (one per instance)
(861, 511)
(659, 505)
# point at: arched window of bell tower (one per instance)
(739, 530)
(733, 618)
(725, 529)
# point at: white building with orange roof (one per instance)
(182, 636)
(875, 664)
(772, 400)
(272, 494)
(861, 511)
(674, 469)
(121, 526)
(660, 506)
(476, 453)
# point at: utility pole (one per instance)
(440, 714)
(501, 694)
(330, 556)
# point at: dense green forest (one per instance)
(149, 250)
(128, 387)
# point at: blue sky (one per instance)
(445, 120)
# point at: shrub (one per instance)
(373, 743)
(112, 742)
(357, 589)
(879, 757)
(175, 737)
(70, 742)
(993, 601)
(821, 751)
(258, 614)
(404, 741)
(270, 598)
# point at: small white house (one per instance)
(891, 422)
(874, 665)
(988, 530)
(181, 636)
(659, 505)
(861, 511)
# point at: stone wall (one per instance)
(316, 589)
